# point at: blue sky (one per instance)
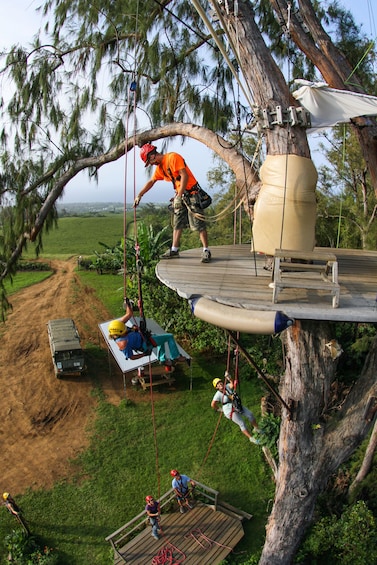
(19, 23)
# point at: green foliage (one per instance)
(346, 198)
(350, 539)
(27, 550)
(269, 426)
(355, 340)
(33, 266)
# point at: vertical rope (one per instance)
(125, 198)
(288, 128)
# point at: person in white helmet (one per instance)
(172, 167)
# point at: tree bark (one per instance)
(335, 69)
(266, 80)
(367, 461)
(312, 444)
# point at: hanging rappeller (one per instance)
(135, 345)
(187, 209)
(226, 400)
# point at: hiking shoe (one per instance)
(182, 510)
(189, 505)
(155, 536)
(170, 254)
(206, 256)
(254, 440)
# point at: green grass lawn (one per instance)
(119, 469)
(80, 236)
(24, 279)
(122, 465)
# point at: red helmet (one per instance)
(149, 498)
(174, 473)
(145, 150)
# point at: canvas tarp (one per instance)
(329, 106)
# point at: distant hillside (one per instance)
(79, 208)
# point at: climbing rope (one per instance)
(166, 556)
(206, 543)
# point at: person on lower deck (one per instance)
(152, 509)
(181, 484)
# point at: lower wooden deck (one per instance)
(202, 536)
(237, 277)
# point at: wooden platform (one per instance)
(236, 277)
(202, 535)
(160, 376)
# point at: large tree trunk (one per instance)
(334, 67)
(266, 80)
(312, 444)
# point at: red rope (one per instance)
(154, 432)
(197, 534)
(166, 556)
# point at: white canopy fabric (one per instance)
(329, 106)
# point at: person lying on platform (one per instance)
(180, 484)
(226, 400)
(152, 509)
(133, 344)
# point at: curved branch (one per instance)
(247, 178)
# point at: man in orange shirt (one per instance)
(172, 167)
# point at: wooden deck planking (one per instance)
(236, 277)
(225, 530)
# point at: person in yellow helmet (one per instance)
(133, 345)
(226, 400)
(12, 507)
(10, 504)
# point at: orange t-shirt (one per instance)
(169, 169)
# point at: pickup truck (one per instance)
(66, 351)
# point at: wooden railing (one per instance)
(124, 534)
(320, 263)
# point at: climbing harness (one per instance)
(259, 371)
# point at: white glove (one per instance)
(137, 201)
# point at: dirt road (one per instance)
(43, 419)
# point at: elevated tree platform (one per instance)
(236, 277)
(204, 535)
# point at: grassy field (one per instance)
(80, 236)
(123, 463)
(24, 279)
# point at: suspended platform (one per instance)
(238, 288)
(204, 535)
(140, 368)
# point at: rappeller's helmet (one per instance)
(174, 473)
(149, 498)
(116, 327)
(145, 151)
(6, 495)
(215, 382)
